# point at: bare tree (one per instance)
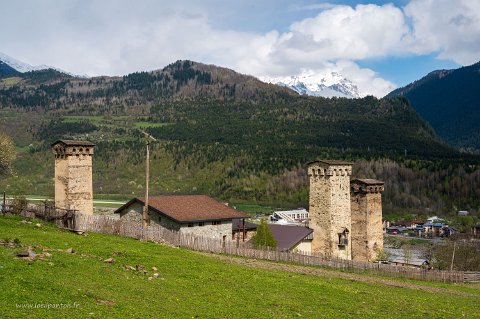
(7, 154)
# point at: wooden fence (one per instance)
(62, 217)
(108, 225)
(156, 233)
(471, 276)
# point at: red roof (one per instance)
(189, 208)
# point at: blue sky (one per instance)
(379, 45)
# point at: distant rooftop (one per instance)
(367, 181)
(330, 162)
(73, 143)
(292, 211)
(289, 236)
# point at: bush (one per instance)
(382, 255)
(19, 203)
(264, 236)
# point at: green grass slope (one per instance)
(190, 285)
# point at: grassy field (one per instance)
(190, 285)
(145, 125)
(113, 121)
(11, 80)
(253, 209)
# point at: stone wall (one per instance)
(239, 234)
(61, 183)
(330, 208)
(367, 228)
(135, 213)
(223, 230)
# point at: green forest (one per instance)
(229, 136)
(448, 100)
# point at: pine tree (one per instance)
(264, 236)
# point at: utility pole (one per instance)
(146, 219)
(453, 255)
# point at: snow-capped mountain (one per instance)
(309, 83)
(23, 67)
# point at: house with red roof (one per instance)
(200, 215)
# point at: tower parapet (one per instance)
(73, 175)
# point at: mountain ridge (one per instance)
(22, 67)
(448, 100)
(331, 84)
(218, 132)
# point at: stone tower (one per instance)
(330, 207)
(367, 229)
(73, 175)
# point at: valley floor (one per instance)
(195, 285)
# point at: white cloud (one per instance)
(451, 28)
(118, 37)
(344, 32)
(367, 81)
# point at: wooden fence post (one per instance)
(4, 208)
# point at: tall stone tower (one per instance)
(73, 175)
(330, 207)
(367, 229)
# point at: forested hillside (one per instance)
(227, 135)
(449, 101)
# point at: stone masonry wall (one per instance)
(73, 178)
(239, 235)
(135, 211)
(330, 208)
(61, 183)
(80, 188)
(209, 230)
(359, 227)
(367, 229)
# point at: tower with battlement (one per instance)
(73, 175)
(367, 229)
(330, 214)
